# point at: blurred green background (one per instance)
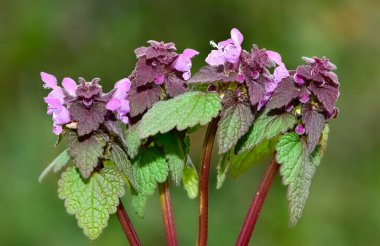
(97, 38)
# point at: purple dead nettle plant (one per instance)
(138, 133)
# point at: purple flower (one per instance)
(280, 72)
(119, 102)
(227, 51)
(318, 70)
(300, 129)
(183, 62)
(55, 100)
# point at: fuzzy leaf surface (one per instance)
(132, 141)
(184, 111)
(86, 152)
(150, 168)
(235, 121)
(88, 120)
(297, 171)
(91, 202)
(142, 99)
(314, 122)
(212, 74)
(120, 158)
(326, 94)
(285, 92)
(266, 126)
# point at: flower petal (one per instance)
(113, 104)
(215, 58)
(190, 53)
(49, 80)
(182, 64)
(124, 85)
(280, 73)
(186, 75)
(236, 36)
(62, 117)
(69, 85)
(57, 129)
(274, 56)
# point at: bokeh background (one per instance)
(94, 38)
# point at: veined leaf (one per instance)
(242, 162)
(266, 126)
(86, 152)
(120, 158)
(190, 179)
(59, 162)
(236, 118)
(150, 168)
(297, 171)
(91, 202)
(175, 153)
(184, 111)
(132, 141)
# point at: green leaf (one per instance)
(85, 152)
(297, 171)
(266, 126)
(242, 162)
(59, 162)
(120, 158)
(222, 169)
(175, 153)
(234, 122)
(190, 179)
(150, 168)
(91, 201)
(132, 141)
(181, 112)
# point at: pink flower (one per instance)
(55, 100)
(280, 72)
(227, 51)
(183, 62)
(119, 102)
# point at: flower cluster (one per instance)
(84, 106)
(230, 63)
(158, 67)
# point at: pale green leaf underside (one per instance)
(190, 179)
(297, 170)
(265, 127)
(222, 169)
(92, 201)
(120, 159)
(132, 141)
(150, 168)
(175, 154)
(181, 112)
(59, 162)
(234, 123)
(242, 162)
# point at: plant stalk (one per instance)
(204, 174)
(127, 226)
(167, 214)
(257, 204)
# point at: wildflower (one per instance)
(183, 62)
(119, 102)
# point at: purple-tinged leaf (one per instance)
(88, 119)
(285, 92)
(211, 74)
(146, 73)
(175, 86)
(86, 151)
(143, 98)
(88, 90)
(314, 122)
(256, 90)
(326, 94)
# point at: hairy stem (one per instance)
(167, 214)
(204, 173)
(257, 204)
(127, 226)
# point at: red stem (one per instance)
(204, 173)
(127, 226)
(257, 204)
(167, 214)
